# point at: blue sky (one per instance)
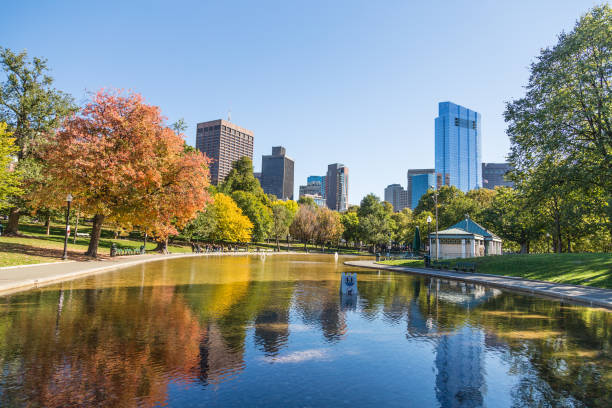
(355, 82)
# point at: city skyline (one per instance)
(337, 86)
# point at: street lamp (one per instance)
(68, 200)
(435, 198)
(428, 232)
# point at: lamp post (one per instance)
(547, 242)
(68, 200)
(435, 198)
(429, 232)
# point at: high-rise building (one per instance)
(394, 196)
(320, 180)
(336, 184)
(224, 143)
(493, 175)
(277, 174)
(458, 146)
(419, 181)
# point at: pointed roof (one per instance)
(471, 226)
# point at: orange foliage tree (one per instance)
(123, 164)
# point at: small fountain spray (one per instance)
(336, 256)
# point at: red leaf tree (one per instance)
(123, 164)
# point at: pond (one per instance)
(275, 331)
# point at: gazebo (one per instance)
(466, 239)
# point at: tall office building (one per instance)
(224, 143)
(277, 174)
(336, 184)
(320, 180)
(458, 146)
(493, 175)
(419, 181)
(395, 195)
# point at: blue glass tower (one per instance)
(420, 183)
(458, 146)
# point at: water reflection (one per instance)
(239, 331)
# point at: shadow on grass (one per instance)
(52, 253)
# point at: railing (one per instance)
(117, 251)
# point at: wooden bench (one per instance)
(82, 234)
(465, 266)
(440, 264)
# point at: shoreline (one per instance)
(20, 278)
(583, 295)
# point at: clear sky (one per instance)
(355, 82)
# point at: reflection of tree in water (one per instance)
(318, 304)
(101, 352)
(561, 354)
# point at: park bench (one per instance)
(440, 264)
(117, 251)
(82, 234)
(465, 266)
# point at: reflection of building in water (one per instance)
(460, 369)
(218, 362)
(464, 294)
(460, 380)
(272, 330)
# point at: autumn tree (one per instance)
(231, 225)
(303, 227)
(9, 178)
(31, 108)
(328, 227)
(124, 165)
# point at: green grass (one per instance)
(34, 246)
(416, 263)
(577, 269)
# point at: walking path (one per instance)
(23, 277)
(581, 294)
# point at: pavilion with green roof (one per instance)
(465, 239)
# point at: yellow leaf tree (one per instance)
(231, 225)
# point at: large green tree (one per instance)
(32, 108)
(561, 130)
(9, 178)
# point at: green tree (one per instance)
(241, 178)
(561, 132)
(260, 215)
(281, 221)
(402, 230)
(511, 217)
(9, 178)
(32, 109)
(307, 201)
(350, 222)
(374, 221)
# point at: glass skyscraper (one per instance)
(420, 183)
(458, 146)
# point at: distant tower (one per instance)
(224, 143)
(336, 184)
(458, 146)
(277, 174)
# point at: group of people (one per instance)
(206, 248)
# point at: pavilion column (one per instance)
(463, 247)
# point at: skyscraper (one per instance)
(396, 196)
(277, 174)
(458, 146)
(320, 180)
(224, 143)
(493, 175)
(419, 181)
(336, 183)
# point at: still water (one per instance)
(276, 332)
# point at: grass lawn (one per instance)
(577, 269)
(34, 246)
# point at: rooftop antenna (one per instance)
(229, 115)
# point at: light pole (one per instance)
(547, 242)
(435, 198)
(68, 200)
(429, 232)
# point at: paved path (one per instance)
(23, 277)
(581, 294)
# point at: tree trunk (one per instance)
(162, 246)
(76, 226)
(48, 224)
(94, 240)
(277, 245)
(12, 227)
